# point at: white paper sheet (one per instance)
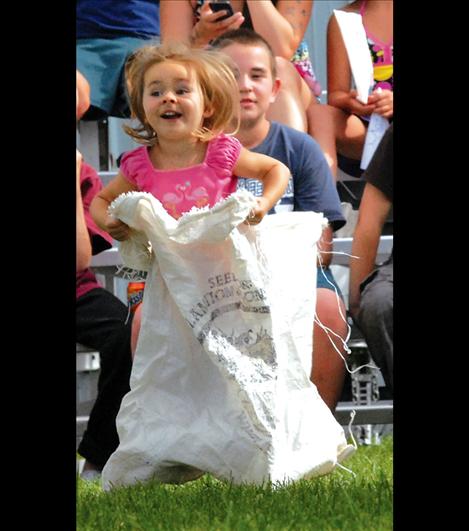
(353, 33)
(361, 65)
(376, 130)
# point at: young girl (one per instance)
(351, 117)
(184, 99)
(377, 21)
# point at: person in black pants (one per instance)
(102, 323)
(371, 285)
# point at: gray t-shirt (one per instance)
(311, 186)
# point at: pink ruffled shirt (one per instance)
(181, 189)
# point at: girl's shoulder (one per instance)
(135, 162)
(353, 7)
(223, 152)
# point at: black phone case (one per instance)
(221, 6)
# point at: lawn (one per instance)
(337, 501)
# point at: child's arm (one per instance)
(101, 201)
(273, 174)
(339, 75)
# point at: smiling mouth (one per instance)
(168, 115)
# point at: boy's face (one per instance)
(257, 88)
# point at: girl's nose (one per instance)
(169, 96)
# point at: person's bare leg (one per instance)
(293, 98)
(287, 111)
(336, 131)
(321, 126)
(328, 372)
(351, 133)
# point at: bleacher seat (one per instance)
(87, 374)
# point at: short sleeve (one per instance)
(314, 188)
(134, 166)
(223, 152)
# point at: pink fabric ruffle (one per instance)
(222, 154)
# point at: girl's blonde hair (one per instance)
(214, 71)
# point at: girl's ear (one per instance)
(208, 112)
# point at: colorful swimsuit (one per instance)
(382, 57)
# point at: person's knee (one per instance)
(324, 111)
(330, 311)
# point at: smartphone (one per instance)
(221, 6)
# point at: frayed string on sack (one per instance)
(352, 416)
(346, 469)
(328, 331)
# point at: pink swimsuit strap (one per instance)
(386, 47)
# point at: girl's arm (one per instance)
(273, 174)
(282, 26)
(101, 201)
(339, 74)
(176, 22)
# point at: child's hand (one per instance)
(383, 102)
(258, 212)
(117, 229)
(357, 107)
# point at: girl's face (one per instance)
(172, 100)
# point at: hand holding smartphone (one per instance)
(221, 6)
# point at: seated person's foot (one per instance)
(90, 472)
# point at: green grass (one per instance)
(337, 501)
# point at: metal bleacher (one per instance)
(87, 373)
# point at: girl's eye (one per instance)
(156, 93)
(182, 90)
